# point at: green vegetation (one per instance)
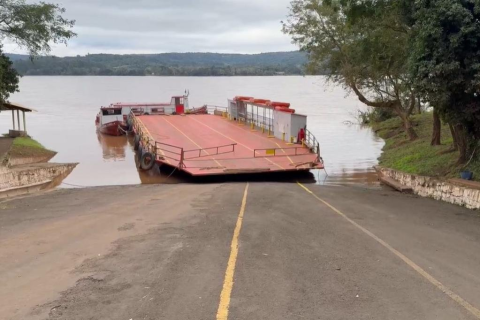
(418, 156)
(374, 115)
(400, 55)
(8, 77)
(165, 64)
(28, 147)
(445, 65)
(27, 142)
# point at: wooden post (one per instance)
(13, 119)
(18, 119)
(24, 123)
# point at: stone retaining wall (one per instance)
(17, 161)
(434, 188)
(33, 174)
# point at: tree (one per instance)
(8, 78)
(31, 26)
(437, 129)
(364, 46)
(34, 26)
(445, 65)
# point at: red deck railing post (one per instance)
(181, 165)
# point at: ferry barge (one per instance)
(248, 136)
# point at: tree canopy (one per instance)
(8, 78)
(33, 27)
(363, 44)
(392, 52)
(445, 64)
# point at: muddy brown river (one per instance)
(67, 107)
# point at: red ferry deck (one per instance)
(214, 145)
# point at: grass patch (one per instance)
(419, 157)
(27, 142)
(28, 147)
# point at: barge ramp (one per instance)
(216, 144)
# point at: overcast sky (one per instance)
(155, 26)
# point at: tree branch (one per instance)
(363, 99)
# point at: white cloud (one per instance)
(155, 26)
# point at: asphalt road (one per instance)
(165, 252)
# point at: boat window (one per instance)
(177, 101)
(137, 111)
(110, 112)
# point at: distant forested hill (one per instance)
(166, 64)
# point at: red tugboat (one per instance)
(112, 120)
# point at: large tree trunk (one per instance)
(437, 127)
(461, 143)
(407, 124)
(411, 133)
(454, 137)
(419, 106)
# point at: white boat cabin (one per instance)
(120, 111)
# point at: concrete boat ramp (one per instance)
(237, 251)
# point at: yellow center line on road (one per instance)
(455, 297)
(224, 305)
(192, 141)
(238, 143)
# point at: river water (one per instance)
(67, 107)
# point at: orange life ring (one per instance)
(279, 104)
(283, 109)
(261, 101)
(243, 98)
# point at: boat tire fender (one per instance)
(140, 152)
(147, 161)
(136, 143)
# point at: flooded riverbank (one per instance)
(67, 107)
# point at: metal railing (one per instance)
(163, 149)
(312, 143)
(211, 109)
(217, 151)
(274, 152)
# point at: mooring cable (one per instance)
(74, 185)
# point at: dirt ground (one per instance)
(161, 252)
